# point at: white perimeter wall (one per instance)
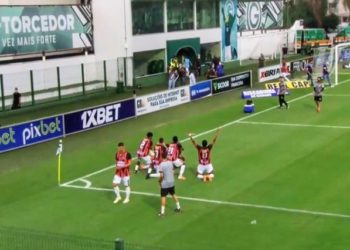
(250, 44)
(38, 2)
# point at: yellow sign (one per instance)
(297, 84)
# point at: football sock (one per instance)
(157, 175)
(127, 192)
(200, 176)
(137, 167)
(211, 176)
(162, 209)
(182, 170)
(178, 205)
(149, 170)
(116, 191)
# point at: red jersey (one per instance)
(123, 160)
(158, 152)
(174, 151)
(204, 154)
(145, 146)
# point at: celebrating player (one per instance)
(318, 89)
(174, 154)
(205, 168)
(123, 161)
(143, 153)
(159, 150)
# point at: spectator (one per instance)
(173, 76)
(211, 74)
(261, 61)
(188, 64)
(192, 78)
(198, 65)
(16, 104)
(182, 74)
(220, 70)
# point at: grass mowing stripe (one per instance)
(228, 203)
(294, 125)
(203, 133)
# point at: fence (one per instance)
(47, 84)
(23, 239)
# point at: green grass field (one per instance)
(282, 179)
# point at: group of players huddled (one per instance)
(151, 157)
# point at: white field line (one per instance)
(295, 125)
(197, 135)
(336, 95)
(227, 203)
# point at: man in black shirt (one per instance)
(16, 104)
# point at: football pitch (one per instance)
(282, 178)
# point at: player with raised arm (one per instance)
(174, 155)
(122, 173)
(159, 150)
(143, 153)
(205, 170)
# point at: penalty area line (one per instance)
(295, 125)
(227, 203)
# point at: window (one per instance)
(147, 16)
(207, 14)
(180, 15)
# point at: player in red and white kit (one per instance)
(205, 170)
(143, 153)
(174, 154)
(122, 173)
(157, 158)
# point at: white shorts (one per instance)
(156, 167)
(117, 180)
(201, 169)
(178, 163)
(146, 159)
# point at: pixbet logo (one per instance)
(100, 116)
(8, 137)
(42, 129)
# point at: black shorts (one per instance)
(165, 191)
(318, 98)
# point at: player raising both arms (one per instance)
(159, 150)
(205, 170)
(143, 153)
(122, 173)
(174, 154)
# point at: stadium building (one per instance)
(132, 39)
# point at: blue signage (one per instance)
(200, 90)
(29, 133)
(99, 116)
